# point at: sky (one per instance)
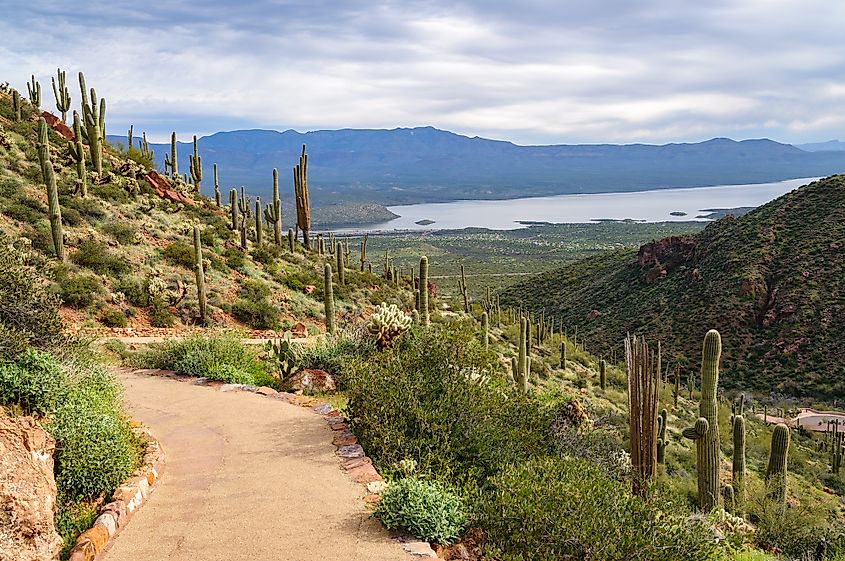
(532, 72)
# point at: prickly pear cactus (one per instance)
(282, 352)
(388, 323)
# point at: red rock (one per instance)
(310, 288)
(364, 474)
(264, 390)
(344, 440)
(310, 380)
(356, 462)
(57, 125)
(98, 536)
(300, 330)
(338, 426)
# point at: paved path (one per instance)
(246, 478)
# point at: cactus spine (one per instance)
(426, 318)
(259, 226)
(776, 472)
(662, 441)
(55, 211)
(216, 187)
(328, 298)
(738, 464)
(705, 433)
(199, 270)
(273, 212)
(77, 153)
(603, 374)
(303, 202)
(61, 92)
(94, 118)
(34, 90)
(485, 330)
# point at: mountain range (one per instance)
(414, 165)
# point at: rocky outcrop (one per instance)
(27, 491)
(163, 189)
(59, 126)
(659, 257)
(309, 380)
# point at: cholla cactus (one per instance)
(387, 324)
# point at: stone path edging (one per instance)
(127, 499)
(357, 465)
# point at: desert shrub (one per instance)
(112, 317)
(794, 531)
(179, 253)
(87, 207)
(72, 519)
(425, 400)
(546, 509)
(160, 314)
(234, 258)
(426, 509)
(35, 383)
(79, 291)
(29, 211)
(219, 358)
(266, 253)
(122, 233)
(94, 255)
(253, 307)
(71, 217)
(109, 192)
(28, 309)
(334, 355)
(136, 290)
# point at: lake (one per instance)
(648, 206)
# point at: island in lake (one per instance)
(677, 213)
(425, 222)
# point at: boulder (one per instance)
(309, 380)
(27, 491)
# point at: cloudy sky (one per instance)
(534, 71)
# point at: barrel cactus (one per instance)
(705, 433)
(388, 323)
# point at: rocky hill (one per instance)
(770, 281)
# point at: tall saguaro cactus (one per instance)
(196, 166)
(273, 211)
(363, 258)
(16, 105)
(328, 298)
(662, 441)
(233, 208)
(199, 271)
(424, 314)
(34, 90)
(643, 379)
(94, 119)
(61, 92)
(603, 374)
(55, 211)
(485, 330)
(341, 274)
(522, 360)
(738, 464)
(705, 433)
(216, 187)
(173, 161)
(259, 227)
(776, 472)
(77, 153)
(303, 202)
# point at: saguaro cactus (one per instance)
(563, 355)
(705, 433)
(216, 187)
(303, 202)
(643, 378)
(738, 464)
(273, 212)
(55, 211)
(94, 118)
(341, 275)
(233, 206)
(328, 298)
(776, 472)
(199, 271)
(662, 441)
(61, 92)
(602, 374)
(259, 226)
(426, 318)
(16, 105)
(77, 153)
(34, 90)
(196, 166)
(485, 330)
(522, 361)
(291, 240)
(173, 161)
(363, 258)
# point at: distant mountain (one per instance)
(770, 282)
(829, 146)
(430, 165)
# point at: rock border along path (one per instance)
(367, 540)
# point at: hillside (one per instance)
(130, 252)
(429, 165)
(770, 281)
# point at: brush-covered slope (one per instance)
(130, 252)
(772, 282)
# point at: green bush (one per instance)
(112, 317)
(96, 256)
(426, 509)
(334, 355)
(179, 253)
(35, 383)
(253, 307)
(160, 314)
(136, 291)
(548, 509)
(80, 291)
(122, 233)
(218, 358)
(427, 400)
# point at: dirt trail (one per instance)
(246, 477)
